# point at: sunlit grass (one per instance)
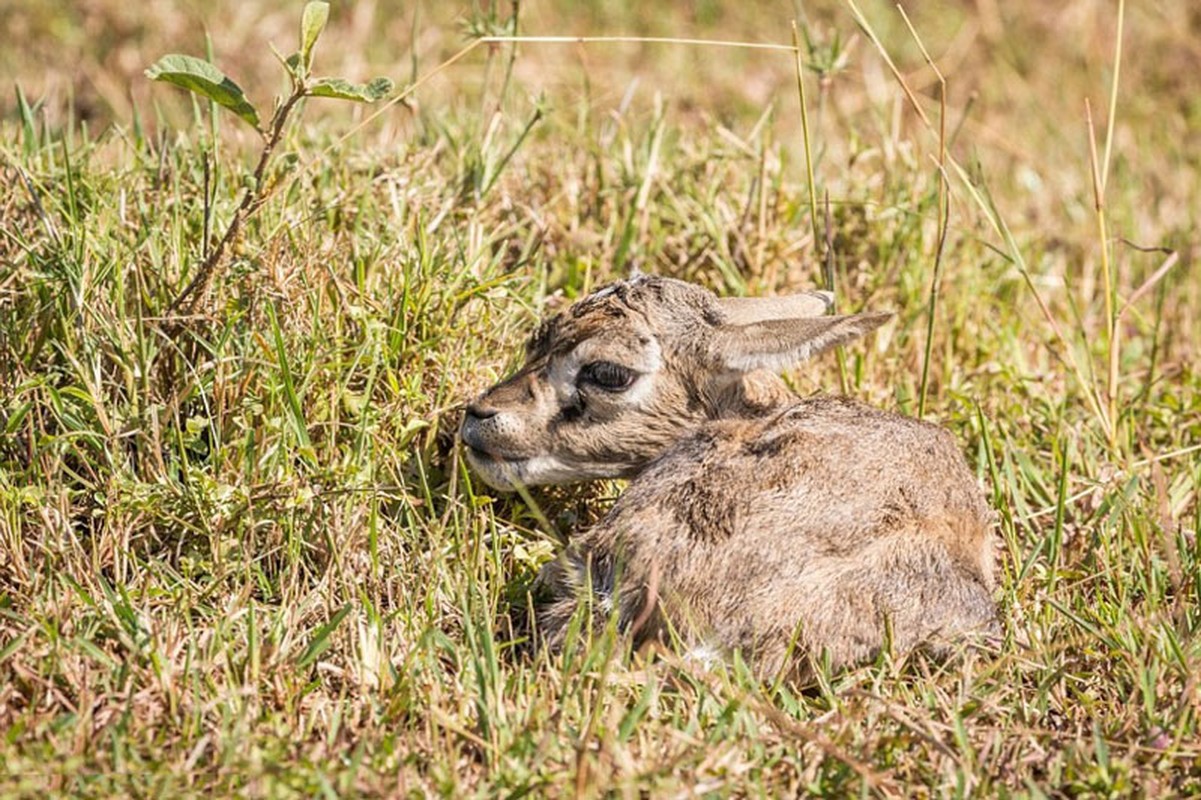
(244, 556)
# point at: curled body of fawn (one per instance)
(756, 520)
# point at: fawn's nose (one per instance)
(479, 411)
(515, 393)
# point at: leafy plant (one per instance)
(207, 80)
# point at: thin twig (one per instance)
(1149, 284)
(47, 222)
(1111, 326)
(399, 98)
(1143, 462)
(810, 181)
(633, 40)
(252, 200)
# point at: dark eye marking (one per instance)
(607, 375)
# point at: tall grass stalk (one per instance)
(991, 213)
(826, 256)
(944, 211)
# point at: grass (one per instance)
(245, 558)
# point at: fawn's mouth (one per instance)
(490, 457)
(478, 450)
(508, 472)
(496, 469)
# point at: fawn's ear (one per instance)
(776, 344)
(745, 310)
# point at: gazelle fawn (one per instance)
(756, 520)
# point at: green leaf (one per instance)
(202, 78)
(320, 641)
(345, 90)
(312, 22)
(13, 646)
(291, 63)
(293, 399)
(26, 120)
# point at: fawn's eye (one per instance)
(607, 375)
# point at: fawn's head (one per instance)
(613, 381)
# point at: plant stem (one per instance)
(827, 257)
(191, 297)
(1111, 320)
(944, 211)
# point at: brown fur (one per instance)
(757, 520)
